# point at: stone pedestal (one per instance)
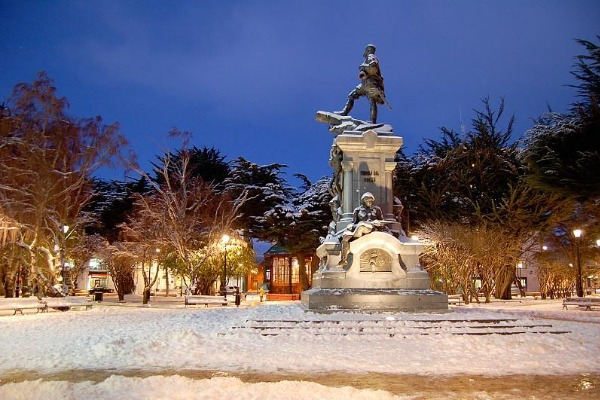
(358, 299)
(383, 273)
(368, 164)
(382, 270)
(376, 261)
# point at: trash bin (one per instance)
(98, 294)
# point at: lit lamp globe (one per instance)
(225, 239)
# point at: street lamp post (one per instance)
(577, 233)
(224, 240)
(65, 229)
(157, 250)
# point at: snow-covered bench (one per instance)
(68, 302)
(283, 296)
(455, 299)
(18, 304)
(587, 302)
(192, 299)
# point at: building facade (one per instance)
(282, 271)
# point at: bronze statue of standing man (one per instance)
(371, 85)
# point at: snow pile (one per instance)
(232, 341)
(159, 387)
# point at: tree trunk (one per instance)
(521, 289)
(504, 281)
(146, 296)
(149, 280)
(302, 272)
(167, 278)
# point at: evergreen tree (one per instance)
(263, 214)
(474, 181)
(461, 178)
(587, 73)
(205, 163)
(111, 205)
(309, 223)
(562, 151)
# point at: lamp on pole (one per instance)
(157, 250)
(65, 230)
(224, 240)
(577, 233)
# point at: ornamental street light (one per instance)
(579, 287)
(157, 250)
(224, 240)
(65, 230)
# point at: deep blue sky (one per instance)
(247, 77)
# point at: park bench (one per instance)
(18, 304)
(195, 299)
(455, 299)
(587, 302)
(66, 303)
(283, 296)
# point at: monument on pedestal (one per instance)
(366, 261)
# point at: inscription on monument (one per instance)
(369, 176)
(375, 260)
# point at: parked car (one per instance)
(230, 290)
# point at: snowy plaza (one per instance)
(524, 348)
(222, 199)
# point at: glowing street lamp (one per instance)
(579, 287)
(224, 239)
(65, 230)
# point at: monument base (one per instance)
(356, 299)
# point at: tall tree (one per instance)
(462, 178)
(562, 151)
(587, 72)
(474, 181)
(47, 159)
(562, 155)
(184, 217)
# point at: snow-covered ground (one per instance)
(258, 352)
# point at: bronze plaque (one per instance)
(375, 260)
